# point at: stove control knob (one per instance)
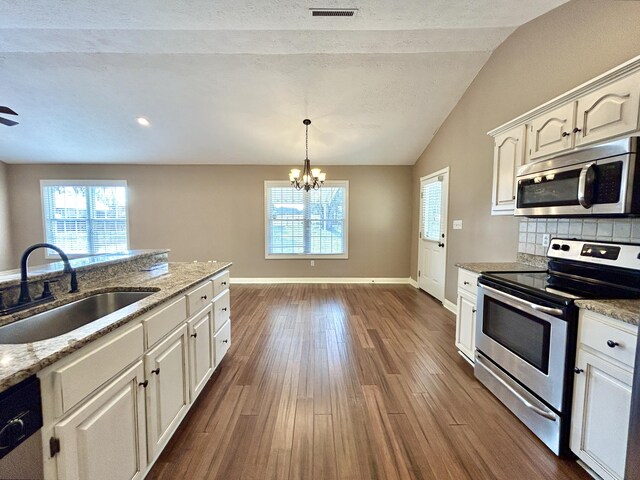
(565, 248)
(555, 246)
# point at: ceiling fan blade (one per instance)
(7, 110)
(7, 122)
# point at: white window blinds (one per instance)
(310, 223)
(85, 217)
(431, 197)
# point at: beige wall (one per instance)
(6, 259)
(539, 61)
(217, 212)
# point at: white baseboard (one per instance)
(413, 283)
(265, 280)
(452, 307)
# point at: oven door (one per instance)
(526, 340)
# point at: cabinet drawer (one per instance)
(468, 281)
(221, 311)
(158, 324)
(220, 283)
(74, 381)
(599, 332)
(199, 297)
(222, 341)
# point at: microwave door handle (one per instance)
(585, 185)
(533, 306)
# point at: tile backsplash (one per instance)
(531, 231)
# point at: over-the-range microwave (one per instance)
(602, 180)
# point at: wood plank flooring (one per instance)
(349, 382)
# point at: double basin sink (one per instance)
(68, 317)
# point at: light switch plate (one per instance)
(545, 239)
(457, 224)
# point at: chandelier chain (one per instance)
(307, 142)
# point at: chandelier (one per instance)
(311, 178)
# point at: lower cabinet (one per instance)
(466, 313)
(105, 438)
(602, 395)
(167, 370)
(201, 350)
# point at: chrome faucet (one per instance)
(25, 298)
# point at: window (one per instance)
(85, 216)
(309, 224)
(431, 197)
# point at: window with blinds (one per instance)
(431, 196)
(85, 217)
(300, 223)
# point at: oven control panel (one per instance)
(624, 255)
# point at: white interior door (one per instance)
(432, 253)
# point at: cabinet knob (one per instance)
(194, 335)
(466, 283)
(576, 130)
(224, 309)
(612, 344)
(565, 134)
(144, 384)
(156, 371)
(225, 341)
(223, 283)
(578, 371)
(473, 310)
(203, 297)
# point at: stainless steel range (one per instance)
(527, 327)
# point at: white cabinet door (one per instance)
(508, 154)
(609, 111)
(105, 438)
(200, 350)
(167, 369)
(601, 406)
(551, 132)
(466, 324)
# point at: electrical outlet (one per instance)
(545, 239)
(457, 224)
(313, 262)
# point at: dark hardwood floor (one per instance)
(350, 382)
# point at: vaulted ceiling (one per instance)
(230, 81)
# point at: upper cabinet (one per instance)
(603, 109)
(551, 132)
(609, 111)
(508, 153)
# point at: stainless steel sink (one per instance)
(65, 318)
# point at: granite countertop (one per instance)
(169, 280)
(10, 278)
(626, 310)
(498, 267)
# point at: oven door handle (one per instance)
(533, 306)
(543, 413)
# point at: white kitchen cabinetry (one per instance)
(111, 407)
(508, 154)
(551, 132)
(466, 313)
(201, 350)
(167, 369)
(602, 393)
(609, 111)
(105, 438)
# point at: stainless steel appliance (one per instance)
(527, 327)
(20, 414)
(602, 180)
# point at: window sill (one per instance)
(306, 257)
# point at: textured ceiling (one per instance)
(230, 81)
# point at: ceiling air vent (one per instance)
(333, 12)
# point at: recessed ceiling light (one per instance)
(143, 121)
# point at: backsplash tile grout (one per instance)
(532, 230)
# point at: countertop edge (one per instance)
(615, 309)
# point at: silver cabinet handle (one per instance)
(533, 306)
(543, 413)
(585, 185)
